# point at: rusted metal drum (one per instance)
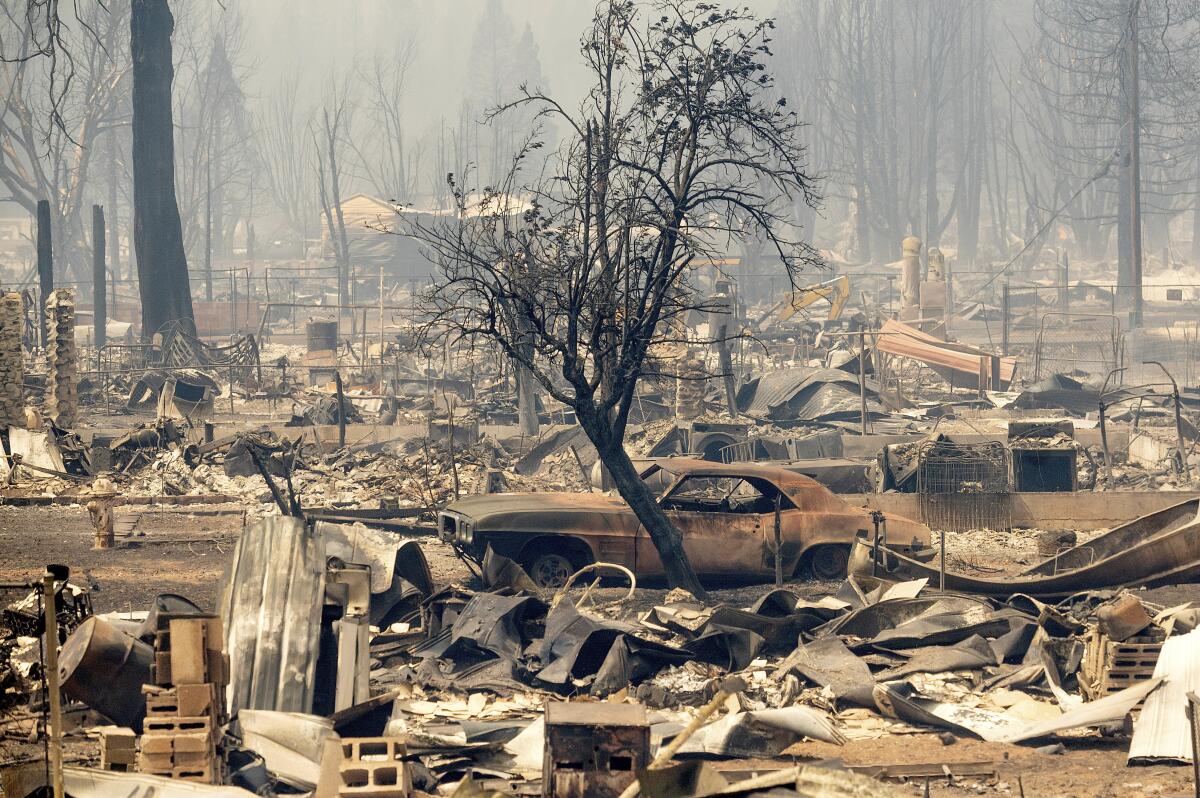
(321, 336)
(105, 668)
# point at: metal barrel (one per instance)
(321, 336)
(105, 668)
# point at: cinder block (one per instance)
(189, 658)
(374, 767)
(173, 727)
(161, 670)
(195, 700)
(157, 744)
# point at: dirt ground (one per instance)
(185, 550)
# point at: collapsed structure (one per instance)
(422, 598)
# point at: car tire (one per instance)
(828, 562)
(550, 569)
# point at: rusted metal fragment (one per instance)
(1155, 549)
(958, 362)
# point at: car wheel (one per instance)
(550, 569)
(829, 562)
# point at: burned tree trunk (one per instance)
(637, 495)
(157, 231)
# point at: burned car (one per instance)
(726, 514)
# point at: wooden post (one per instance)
(1064, 299)
(51, 643)
(99, 284)
(45, 264)
(341, 398)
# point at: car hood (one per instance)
(492, 509)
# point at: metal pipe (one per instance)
(1178, 418)
(778, 542)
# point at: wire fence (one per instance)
(964, 486)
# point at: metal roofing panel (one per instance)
(1162, 730)
(271, 608)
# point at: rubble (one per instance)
(366, 657)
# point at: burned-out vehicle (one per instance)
(726, 514)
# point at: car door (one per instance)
(721, 535)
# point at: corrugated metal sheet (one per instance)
(271, 608)
(1162, 730)
(959, 360)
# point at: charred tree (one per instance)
(594, 255)
(157, 231)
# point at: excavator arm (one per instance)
(836, 291)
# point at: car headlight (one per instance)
(468, 533)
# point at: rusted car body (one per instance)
(724, 512)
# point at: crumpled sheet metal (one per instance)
(762, 733)
(828, 663)
(973, 653)
(901, 700)
(273, 596)
(500, 572)
(290, 743)
(885, 617)
(959, 360)
(1159, 548)
(1162, 730)
(1110, 709)
(271, 609)
(577, 645)
(777, 618)
(490, 622)
(91, 783)
(807, 394)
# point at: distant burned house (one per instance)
(370, 226)
(373, 228)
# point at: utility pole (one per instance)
(1135, 166)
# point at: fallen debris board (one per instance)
(1163, 731)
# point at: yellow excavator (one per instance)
(836, 291)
